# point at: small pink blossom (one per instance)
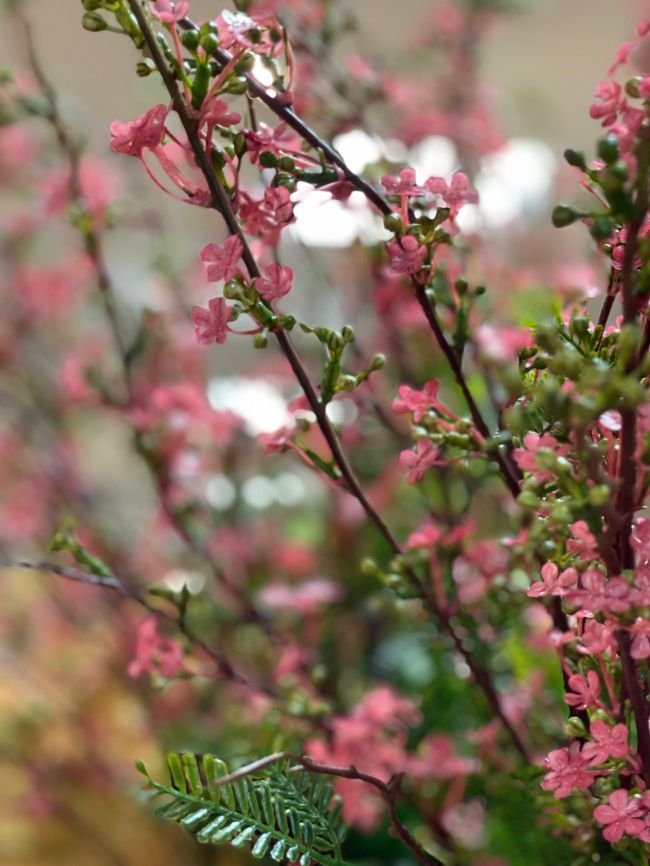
(426, 536)
(608, 742)
(155, 654)
(583, 542)
(168, 11)
(211, 325)
(622, 816)
(566, 769)
(406, 256)
(215, 112)
(404, 184)
(554, 581)
(305, 598)
(419, 461)
(608, 102)
(526, 457)
(640, 632)
(418, 402)
(456, 193)
(584, 693)
(143, 133)
(598, 594)
(276, 282)
(220, 260)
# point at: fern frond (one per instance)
(286, 813)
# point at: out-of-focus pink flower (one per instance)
(554, 581)
(99, 186)
(305, 598)
(220, 260)
(276, 282)
(211, 325)
(437, 759)
(418, 402)
(403, 184)
(143, 133)
(419, 461)
(168, 11)
(454, 194)
(406, 255)
(215, 112)
(155, 654)
(608, 102)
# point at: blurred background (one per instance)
(72, 723)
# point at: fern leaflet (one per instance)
(281, 811)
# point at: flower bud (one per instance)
(393, 223)
(377, 362)
(286, 163)
(607, 149)
(576, 158)
(563, 216)
(209, 43)
(93, 22)
(190, 39)
(145, 68)
(260, 341)
(575, 727)
(268, 159)
(602, 228)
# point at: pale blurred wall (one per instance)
(547, 59)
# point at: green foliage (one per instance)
(281, 811)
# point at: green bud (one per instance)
(245, 64)
(260, 341)
(268, 159)
(607, 149)
(603, 786)
(377, 362)
(599, 495)
(209, 43)
(563, 216)
(287, 322)
(239, 144)
(190, 39)
(285, 163)
(335, 342)
(369, 568)
(93, 22)
(393, 223)
(237, 86)
(576, 158)
(575, 727)
(145, 68)
(602, 228)
(632, 86)
(528, 499)
(461, 286)
(347, 334)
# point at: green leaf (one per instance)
(281, 812)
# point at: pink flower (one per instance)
(267, 217)
(406, 255)
(145, 132)
(418, 402)
(622, 816)
(526, 457)
(402, 185)
(583, 542)
(276, 282)
(454, 194)
(419, 461)
(220, 260)
(169, 12)
(155, 654)
(553, 582)
(211, 325)
(640, 631)
(425, 536)
(438, 759)
(567, 769)
(608, 102)
(584, 693)
(305, 599)
(601, 595)
(215, 112)
(608, 742)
